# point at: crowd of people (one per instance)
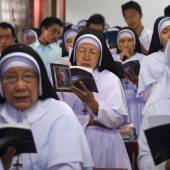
(80, 130)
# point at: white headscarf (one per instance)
(162, 89)
(17, 59)
(89, 38)
(126, 33)
(163, 24)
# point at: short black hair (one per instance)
(96, 19)
(47, 22)
(131, 5)
(6, 25)
(167, 11)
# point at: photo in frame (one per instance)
(61, 77)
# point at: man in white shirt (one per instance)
(132, 14)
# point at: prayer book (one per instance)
(128, 67)
(19, 136)
(158, 138)
(64, 77)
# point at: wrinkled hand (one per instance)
(86, 96)
(7, 157)
(167, 167)
(123, 54)
(130, 75)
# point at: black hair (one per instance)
(167, 11)
(47, 22)
(131, 5)
(6, 25)
(96, 19)
(47, 89)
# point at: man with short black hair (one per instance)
(7, 35)
(97, 22)
(132, 14)
(167, 11)
(47, 46)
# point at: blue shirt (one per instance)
(50, 53)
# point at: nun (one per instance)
(30, 36)
(102, 113)
(158, 104)
(129, 49)
(151, 69)
(27, 97)
(69, 37)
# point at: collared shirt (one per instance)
(145, 38)
(50, 53)
(58, 136)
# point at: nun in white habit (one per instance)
(158, 104)
(27, 97)
(128, 45)
(151, 69)
(102, 113)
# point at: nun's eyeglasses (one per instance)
(13, 78)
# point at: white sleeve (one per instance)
(113, 108)
(1, 166)
(70, 166)
(145, 159)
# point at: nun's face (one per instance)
(87, 55)
(165, 36)
(127, 44)
(20, 87)
(69, 42)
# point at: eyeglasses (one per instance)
(13, 78)
(90, 52)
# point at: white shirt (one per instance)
(145, 38)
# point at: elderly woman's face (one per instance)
(20, 87)
(87, 55)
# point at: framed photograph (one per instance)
(61, 77)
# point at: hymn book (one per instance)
(64, 77)
(158, 137)
(19, 136)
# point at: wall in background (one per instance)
(111, 9)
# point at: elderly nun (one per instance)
(28, 97)
(129, 49)
(152, 66)
(157, 105)
(102, 113)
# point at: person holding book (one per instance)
(128, 50)
(152, 66)
(102, 113)
(27, 97)
(157, 105)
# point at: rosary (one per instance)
(18, 165)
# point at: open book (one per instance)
(158, 137)
(18, 136)
(129, 66)
(64, 77)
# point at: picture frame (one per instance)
(61, 77)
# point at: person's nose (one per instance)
(20, 85)
(87, 55)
